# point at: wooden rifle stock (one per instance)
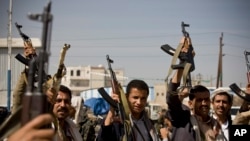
(114, 82)
(61, 71)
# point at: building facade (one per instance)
(83, 78)
(16, 66)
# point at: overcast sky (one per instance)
(132, 31)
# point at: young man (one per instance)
(137, 92)
(222, 102)
(61, 109)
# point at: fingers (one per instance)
(32, 132)
(115, 97)
(40, 121)
(43, 134)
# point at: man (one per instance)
(137, 92)
(193, 123)
(167, 128)
(61, 110)
(222, 102)
(29, 53)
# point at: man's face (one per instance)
(62, 105)
(201, 104)
(221, 105)
(137, 100)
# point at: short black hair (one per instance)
(196, 89)
(65, 90)
(139, 84)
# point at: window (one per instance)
(71, 73)
(78, 73)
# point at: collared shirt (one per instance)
(224, 128)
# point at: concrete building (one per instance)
(16, 66)
(82, 78)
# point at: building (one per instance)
(16, 66)
(83, 78)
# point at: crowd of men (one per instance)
(192, 122)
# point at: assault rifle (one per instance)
(35, 101)
(55, 82)
(242, 94)
(186, 58)
(121, 108)
(246, 53)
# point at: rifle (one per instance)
(28, 42)
(242, 94)
(35, 101)
(55, 82)
(24, 36)
(121, 108)
(246, 53)
(186, 59)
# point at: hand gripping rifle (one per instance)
(26, 40)
(186, 58)
(121, 108)
(55, 82)
(242, 94)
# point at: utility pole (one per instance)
(9, 57)
(219, 73)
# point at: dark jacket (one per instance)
(115, 131)
(180, 116)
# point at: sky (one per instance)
(131, 32)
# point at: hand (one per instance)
(29, 50)
(51, 95)
(248, 89)
(111, 116)
(164, 132)
(31, 131)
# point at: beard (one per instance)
(62, 113)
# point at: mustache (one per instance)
(205, 107)
(62, 109)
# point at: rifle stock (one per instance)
(55, 82)
(114, 82)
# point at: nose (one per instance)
(204, 102)
(62, 103)
(138, 101)
(220, 103)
